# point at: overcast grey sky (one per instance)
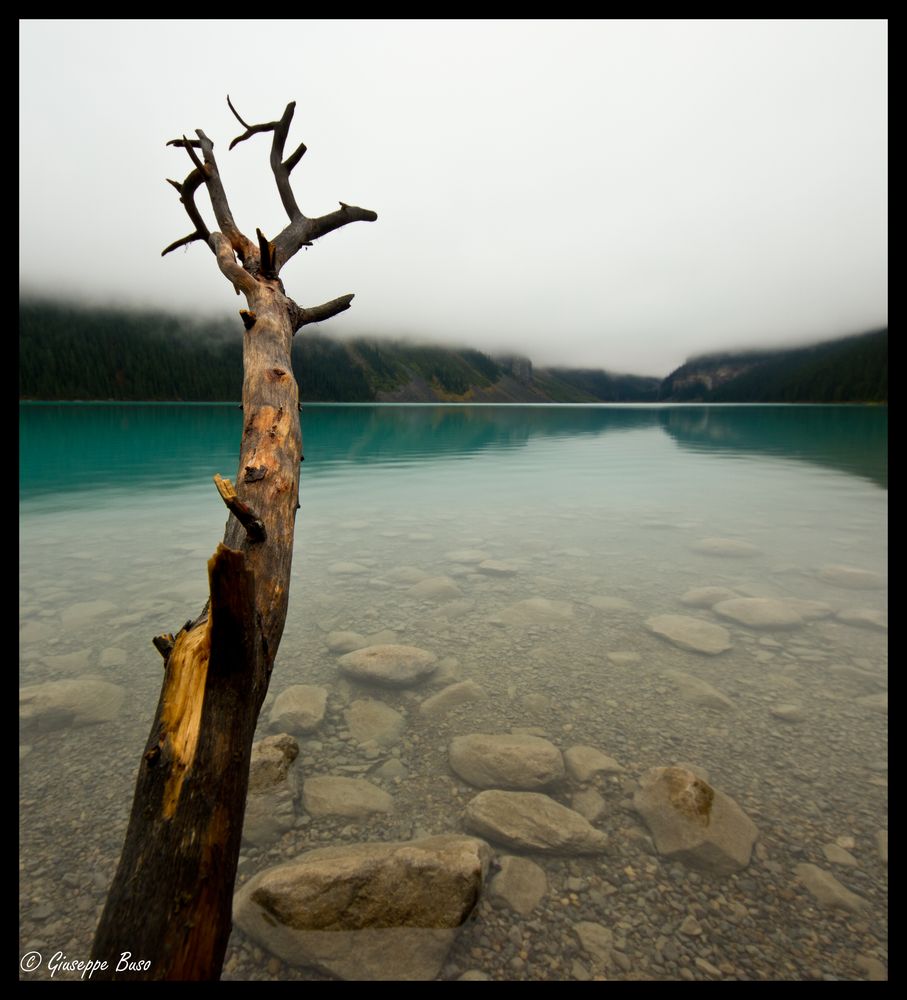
(620, 194)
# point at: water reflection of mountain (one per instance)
(852, 439)
(410, 433)
(129, 446)
(90, 446)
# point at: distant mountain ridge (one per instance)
(851, 369)
(71, 352)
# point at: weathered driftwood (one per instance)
(170, 901)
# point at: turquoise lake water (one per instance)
(609, 515)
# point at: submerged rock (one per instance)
(532, 822)
(699, 692)
(586, 763)
(344, 642)
(406, 574)
(827, 890)
(706, 597)
(789, 712)
(435, 588)
(271, 761)
(612, 605)
(596, 940)
(497, 567)
(875, 702)
(357, 798)
(520, 884)
(838, 855)
(85, 611)
(521, 762)
(537, 611)
(273, 789)
(367, 911)
(729, 547)
(347, 569)
(85, 701)
(691, 633)
(864, 617)
(451, 697)
(693, 822)
(390, 665)
(588, 803)
(299, 708)
(809, 610)
(851, 578)
(882, 844)
(758, 612)
(371, 720)
(468, 557)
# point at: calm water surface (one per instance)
(601, 512)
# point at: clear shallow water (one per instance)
(118, 516)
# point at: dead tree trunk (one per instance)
(170, 901)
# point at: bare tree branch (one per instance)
(186, 192)
(300, 316)
(240, 278)
(280, 168)
(303, 231)
(236, 113)
(243, 246)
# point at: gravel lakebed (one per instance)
(555, 636)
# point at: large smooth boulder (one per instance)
(530, 821)
(693, 822)
(83, 701)
(389, 665)
(367, 911)
(691, 633)
(521, 762)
